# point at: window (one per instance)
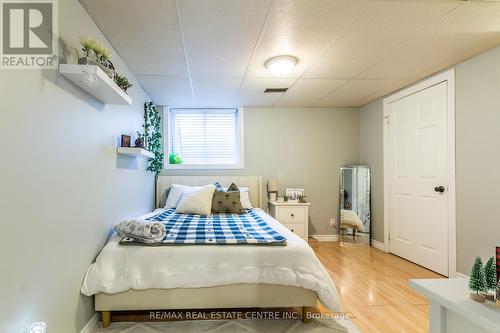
(204, 138)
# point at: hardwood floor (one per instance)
(373, 286)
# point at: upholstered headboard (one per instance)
(252, 182)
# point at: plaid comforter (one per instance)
(216, 229)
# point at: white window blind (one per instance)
(205, 137)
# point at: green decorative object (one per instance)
(174, 159)
(95, 53)
(152, 135)
(122, 82)
(477, 281)
(88, 45)
(490, 271)
(140, 141)
(96, 49)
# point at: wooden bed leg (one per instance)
(106, 318)
(353, 233)
(305, 314)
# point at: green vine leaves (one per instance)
(152, 133)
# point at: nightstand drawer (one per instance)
(292, 215)
(297, 229)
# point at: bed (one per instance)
(209, 277)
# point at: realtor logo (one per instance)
(29, 39)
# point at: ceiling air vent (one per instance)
(275, 90)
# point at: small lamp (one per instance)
(272, 189)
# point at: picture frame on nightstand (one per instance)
(293, 194)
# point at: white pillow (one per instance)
(174, 196)
(196, 201)
(244, 197)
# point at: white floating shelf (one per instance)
(104, 88)
(135, 152)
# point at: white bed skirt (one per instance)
(219, 297)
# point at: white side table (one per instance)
(452, 311)
(293, 215)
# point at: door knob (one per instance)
(439, 189)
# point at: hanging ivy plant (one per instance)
(152, 133)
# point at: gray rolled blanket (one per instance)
(144, 231)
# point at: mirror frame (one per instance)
(341, 186)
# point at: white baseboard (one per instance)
(378, 245)
(326, 238)
(461, 275)
(91, 325)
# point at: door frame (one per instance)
(449, 77)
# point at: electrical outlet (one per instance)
(332, 223)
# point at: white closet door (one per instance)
(418, 210)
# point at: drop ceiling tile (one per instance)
(358, 90)
(165, 90)
(252, 93)
(382, 27)
(471, 29)
(220, 35)
(386, 90)
(215, 91)
(302, 29)
(150, 41)
(306, 92)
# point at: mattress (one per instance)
(120, 268)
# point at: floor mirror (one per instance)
(354, 207)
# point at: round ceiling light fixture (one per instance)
(281, 65)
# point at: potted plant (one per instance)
(95, 53)
(122, 82)
(477, 281)
(140, 142)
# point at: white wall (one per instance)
(302, 147)
(371, 153)
(62, 186)
(477, 157)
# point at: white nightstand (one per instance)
(294, 216)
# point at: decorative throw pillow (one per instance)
(244, 196)
(218, 187)
(233, 188)
(174, 195)
(228, 201)
(196, 201)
